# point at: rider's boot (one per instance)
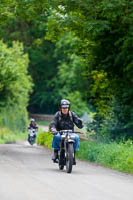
(74, 160)
(55, 156)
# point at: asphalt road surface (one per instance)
(27, 173)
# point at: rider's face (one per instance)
(65, 110)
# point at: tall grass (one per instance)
(113, 155)
(45, 139)
(13, 124)
(14, 118)
(8, 136)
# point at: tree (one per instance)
(15, 84)
(105, 31)
(28, 25)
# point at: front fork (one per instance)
(62, 160)
(64, 150)
(66, 144)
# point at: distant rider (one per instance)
(64, 120)
(33, 125)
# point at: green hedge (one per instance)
(45, 139)
(112, 155)
(15, 85)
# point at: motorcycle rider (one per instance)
(33, 125)
(64, 120)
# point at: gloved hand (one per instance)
(53, 130)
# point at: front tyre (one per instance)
(31, 140)
(62, 160)
(61, 167)
(69, 158)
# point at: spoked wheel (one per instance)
(69, 158)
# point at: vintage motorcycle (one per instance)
(32, 136)
(66, 153)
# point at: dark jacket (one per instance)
(34, 126)
(66, 122)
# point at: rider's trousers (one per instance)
(57, 139)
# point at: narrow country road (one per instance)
(27, 173)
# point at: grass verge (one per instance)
(113, 155)
(45, 123)
(8, 136)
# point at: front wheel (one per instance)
(69, 158)
(61, 159)
(31, 140)
(61, 167)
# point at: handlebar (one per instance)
(66, 131)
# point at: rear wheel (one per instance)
(69, 158)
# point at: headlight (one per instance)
(72, 137)
(62, 136)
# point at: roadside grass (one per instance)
(8, 136)
(45, 123)
(13, 124)
(113, 155)
(45, 139)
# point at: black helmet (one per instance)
(65, 103)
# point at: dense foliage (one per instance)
(15, 84)
(80, 50)
(45, 139)
(42, 66)
(104, 29)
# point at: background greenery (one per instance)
(15, 84)
(80, 50)
(113, 155)
(45, 138)
(98, 35)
